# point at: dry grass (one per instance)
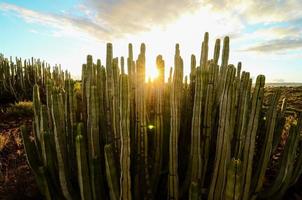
(3, 141)
(25, 106)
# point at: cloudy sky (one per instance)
(265, 35)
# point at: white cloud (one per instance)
(278, 45)
(109, 20)
(280, 32)
(276, 39)
(259, 11)
(132, 16)
(62, 23)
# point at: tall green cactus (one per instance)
(35, 164)
(223, 151)
(250, 137)
(286, 166)
(173, 188)
(82, 163)
(111, 172)
(159, 128)
(195, 154)
(233, 184)
(57, 109)
(265, 151)
(125, 180)
(18, 77)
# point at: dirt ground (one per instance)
(16, 179)
(293, 95)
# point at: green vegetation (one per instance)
(19, 109)
(18, 78)
(118, 137)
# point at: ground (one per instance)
(16, 179)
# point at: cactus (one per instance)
(223, 153)
(208, 119)
(35, 163)
(111, 172)
(286, 164)
(199, 137)
(175, 125)
(204, 51)
(125, 180)
(195, 161)
(249, 146)
(266, 149)
(18, 77)
(57, 108)
(233, 184)
(159, 132)
(82, 163)
(297, 171)
(242, 114)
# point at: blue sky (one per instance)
(265, 35)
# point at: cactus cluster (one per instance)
(206, 137)
(18, 77)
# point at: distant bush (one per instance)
(22, 108)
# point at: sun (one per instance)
(151, 73)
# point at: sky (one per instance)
(266, 36)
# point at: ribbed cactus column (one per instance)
(57, 112)
(133, 127)
(70, 118)
(195, 154)
(216, 51)
(93, 82)
(37, 115)
(223, 147)
(115, 112)
(159, 124)
(173, 182)
(49, 138)
(35, 163)
(242, 114)
(109, 94)
(281, 120)
(207, 123)
(82, 163)
(297, 171)
(192, 78)
(223, 66)
(249, 142)
(125, 180)
(101, 94)
(142, 181)
(266, 148)
(94, 144)
(204, 52)
(225, 52)
(286, 165)
(234, 178)
(112, 172)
